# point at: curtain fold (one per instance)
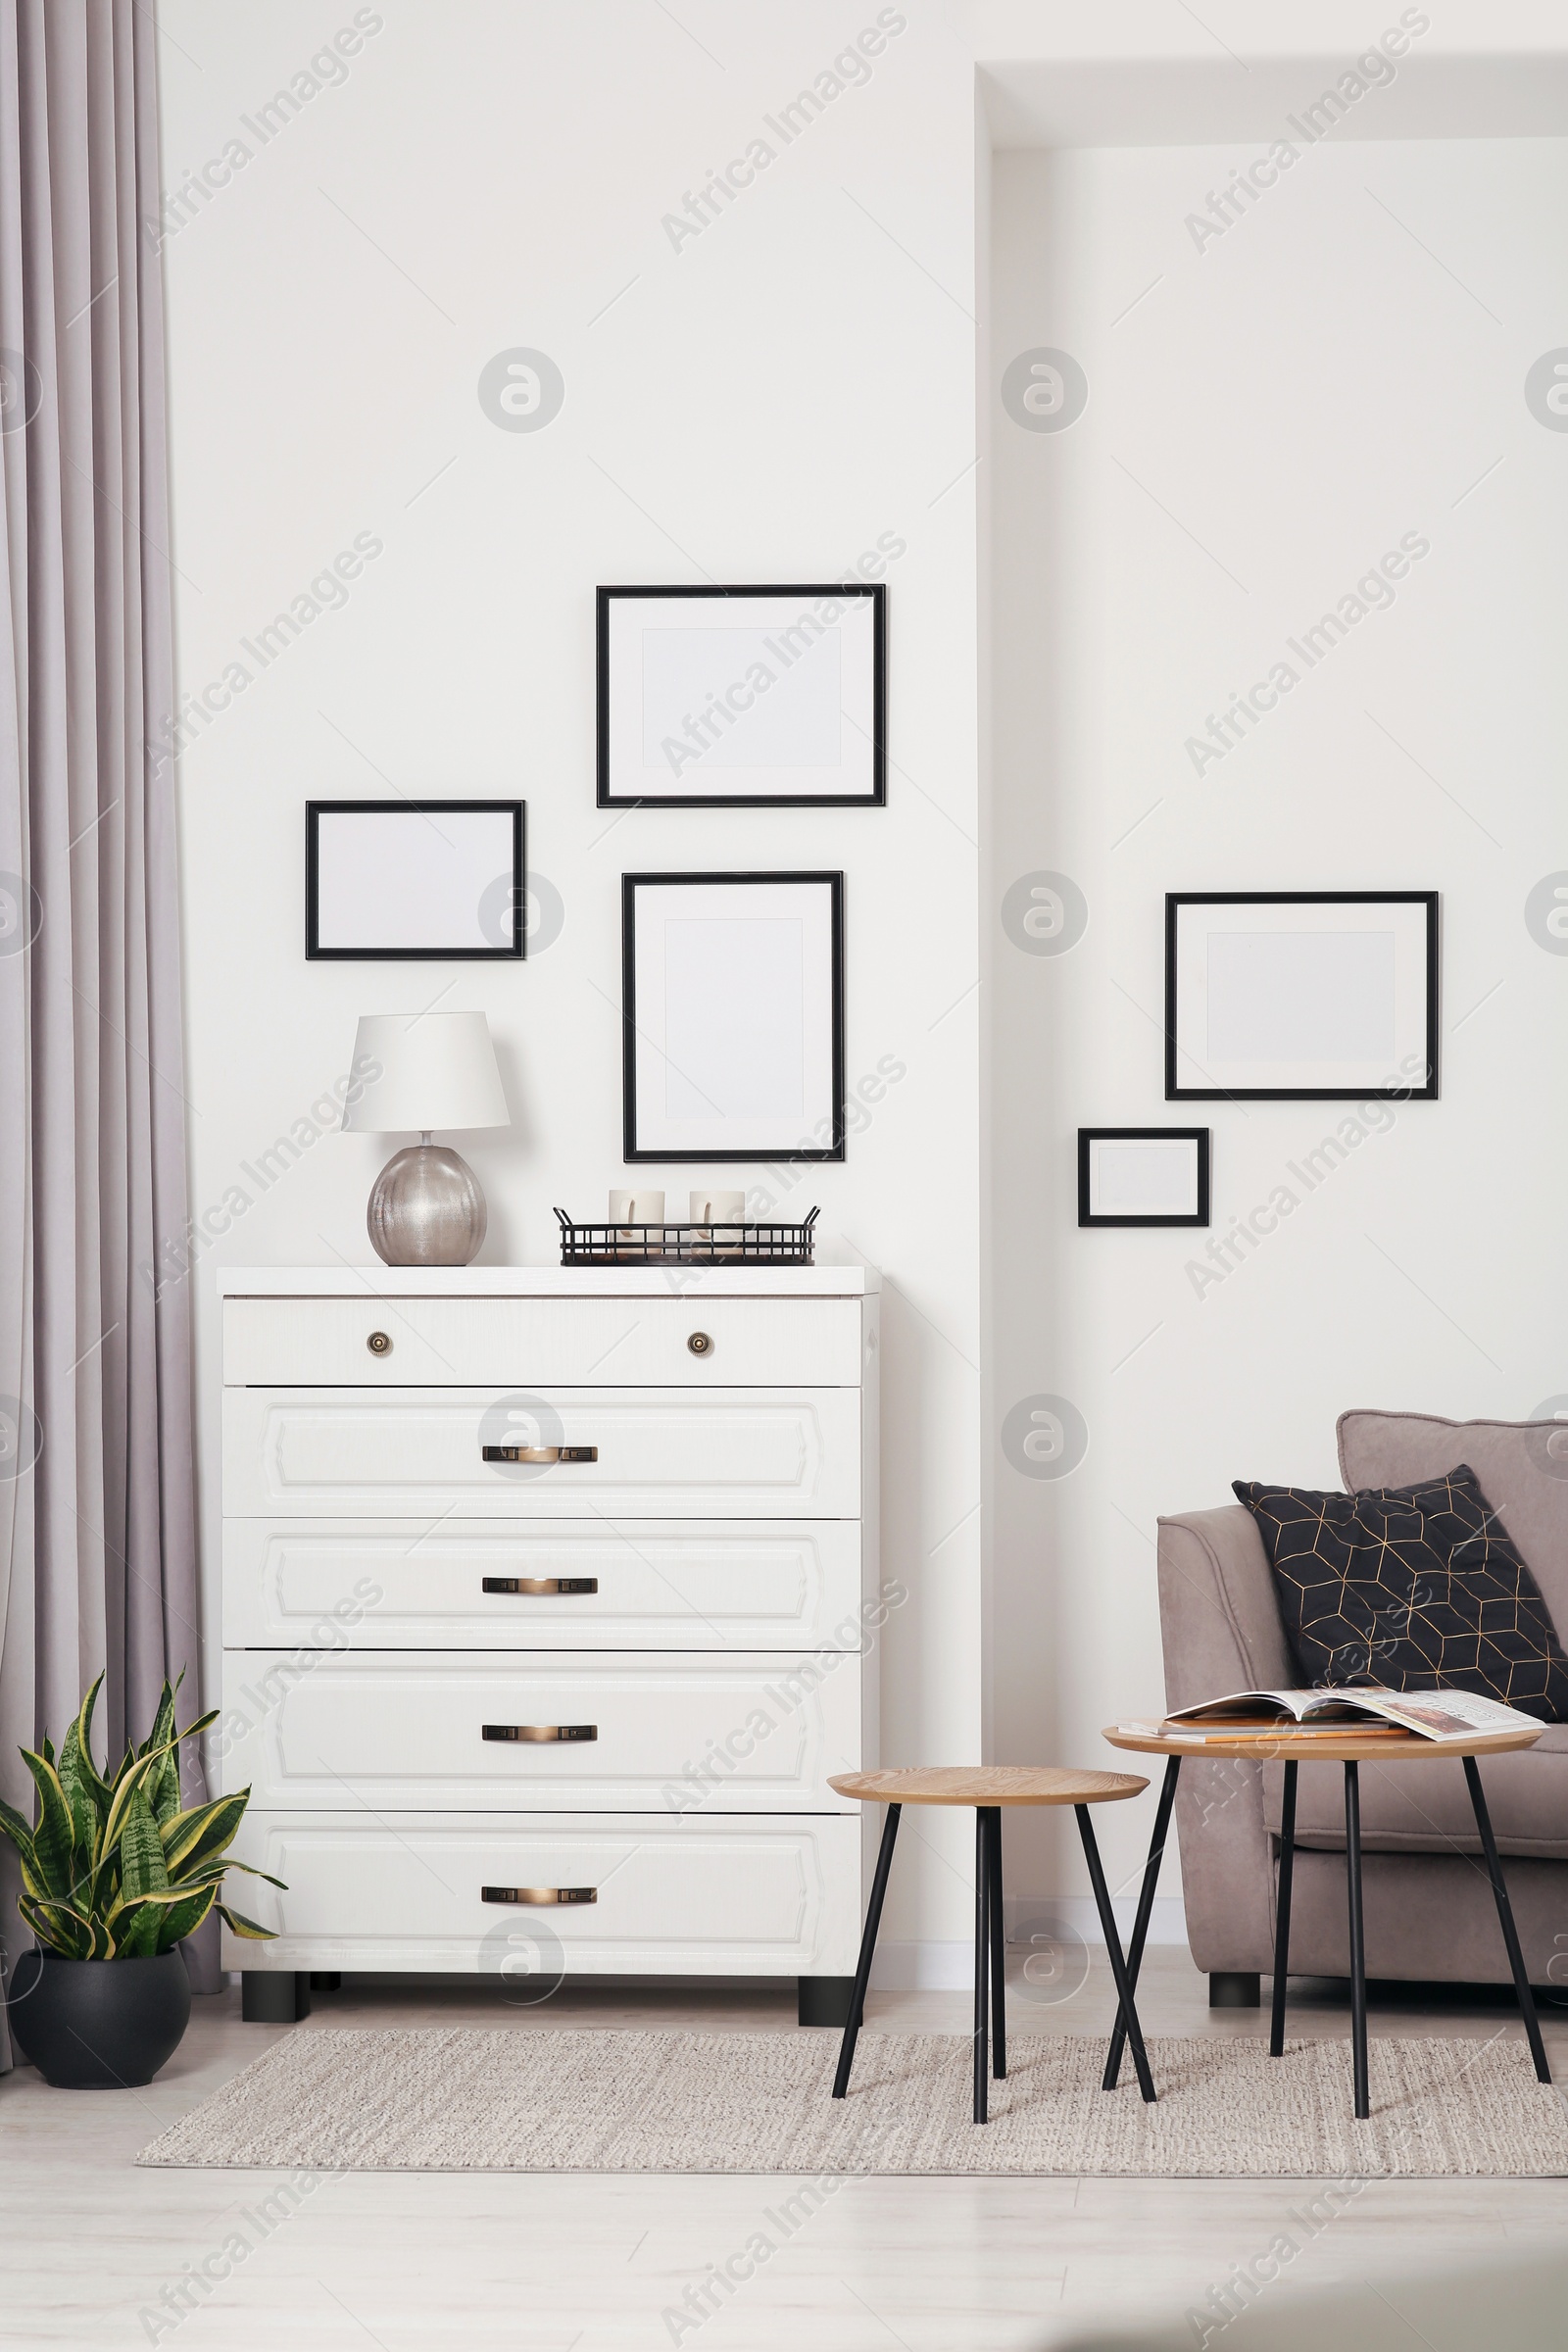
(97, 1515)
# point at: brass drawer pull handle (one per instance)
(547, 1585)
(541, 1732)
(540, 1453)
(538, 1894)
(379, 1343)
(700, 1343)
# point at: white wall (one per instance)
(766, 402)
(1337, 371)
(761, 402)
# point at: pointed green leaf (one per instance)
(249, 1868)
(238, 1924)
(161, 1920)
(141, 1850)
(163, 1729)
(54, 1834)
(81, 1784)
(127, 1786)
(164, 1797)
(136, 1931)
(183, 1919)
(14, 1827)
(57, 1928)
(204, 1831)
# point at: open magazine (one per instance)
(1456, 1715)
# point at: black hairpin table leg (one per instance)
(1282, 1912)
(1352, 1876)
(862, 1973)
(998, 1953)
(1145, 1912)
(1118, 1967)
(982, 1958)
(1510, 1934)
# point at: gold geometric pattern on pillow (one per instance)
(1410, 1587)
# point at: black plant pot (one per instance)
(98, 2025)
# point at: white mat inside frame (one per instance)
(462, 2099)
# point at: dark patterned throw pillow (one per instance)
(1410, 1587)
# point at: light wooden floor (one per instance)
(546, 2264)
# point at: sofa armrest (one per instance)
(1221, 1630)
(1219, 1620)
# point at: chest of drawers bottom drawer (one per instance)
(774, 1896)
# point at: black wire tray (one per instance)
(747, 1244)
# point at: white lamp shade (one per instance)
(436, 1069)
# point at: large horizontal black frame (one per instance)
(1142, 1135)
(1301, 1093)
(630, 886)
(315, 811)
(876, 798)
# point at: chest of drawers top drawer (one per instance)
(622, 1343)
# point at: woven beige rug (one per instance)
(465, 2100)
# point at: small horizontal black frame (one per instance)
(1397, 1092)
(1142, 1135)
(514, 952)
(876, 798)
(750, 1243)
(629, 885)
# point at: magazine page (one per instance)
(1448, 1714)
(1243, 1703)
(1255, 1705)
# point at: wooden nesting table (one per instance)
(988, 1787)
(1292, 1746)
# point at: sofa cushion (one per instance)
(1522, 1466)
(1414, 1586)
(1423, 1807)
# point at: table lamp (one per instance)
(436, 1069)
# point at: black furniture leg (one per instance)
(1510, 1934)
(982, 1957)
(823, 2000)
(1352, 1875)
(999, 1952)
(1282, 1914)
(1118, 1967)
(273, 1997)
(1145, 1911)
(862, 1973)
(1233, 1988)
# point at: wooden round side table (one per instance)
(1290, 1745)
(988, 1787)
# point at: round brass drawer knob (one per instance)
(378, 1343)
(700, 1343)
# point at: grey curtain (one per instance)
(97, 1528)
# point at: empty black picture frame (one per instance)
(1089, 1135)
(874, 592)
(1418, 1089)
(514, 947)
(788, 1149)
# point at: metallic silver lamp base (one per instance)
(427, 1208)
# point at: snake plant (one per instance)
(116, 1869)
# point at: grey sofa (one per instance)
(1429, 1909)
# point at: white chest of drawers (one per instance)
(573, 1713)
